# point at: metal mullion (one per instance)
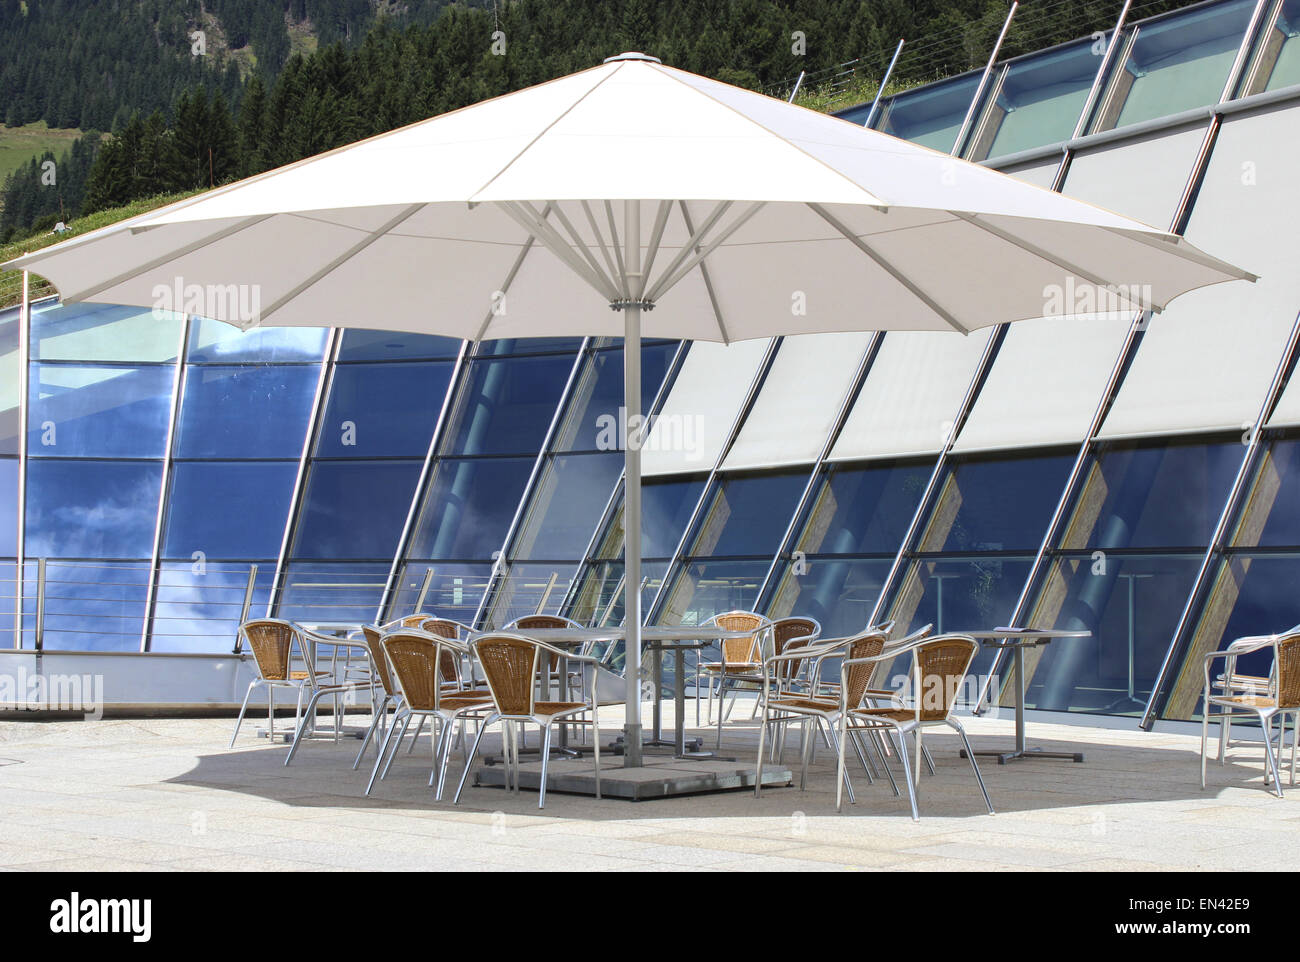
(1216, 549)
(178, 386)
(964, 131)
(760, 377)
(24, 365)
(495, 576)
(1104, 68)
(1248, 41)
(615, 500)
(841, 416)
(323, 383)
(426, 469)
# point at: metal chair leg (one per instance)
(843, 770)
(383, 749)
(297, 736)
(406, 723)
(379, 712)
(418, 729)
(473, 753)
(762, 738)
(907, 775)
(973, 764)
(1272, 760)
(546, 757)
(1205, 735)
(243, 708)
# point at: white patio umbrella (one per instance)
(631, 186)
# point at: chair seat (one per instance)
(896, 715)
(303, 676)
(548, 708)
(749, 667)
(1244, 701)
(461, 702)
(804, 704)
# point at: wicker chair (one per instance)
(780, 705)
(416, 658)
(742, 660)
(271, 640)
(320, 688)
(789, 634)
(939, 667)
(1280, 698)
(379, 669)
(1233, 682)
(511, 664)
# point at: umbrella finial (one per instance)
(633, 55)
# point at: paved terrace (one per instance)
(165, 794)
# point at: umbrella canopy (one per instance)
(634, 186)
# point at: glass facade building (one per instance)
(1136, 477)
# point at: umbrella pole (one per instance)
(632, 484)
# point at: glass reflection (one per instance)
(1278, 65)
(567, 506)
(8, 508)
(197, 607)
(315, 593)
(103, 332)
(382, 410)
(363, 345)
(245, 412)
(507, 405)
(355, 509)
(88, 607)
(228, 510)
(931, 116)
(468, 507)
(530, 589)
(81, 411)
(748, 514)
(91, 509)
(598, 396)
(666, 506)
(215, 342)
(454, 591)
(10, 389)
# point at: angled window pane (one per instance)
(245, 412)
(10, 371)
(468, 507)
(703, 589)
(839, 592)
(508, 346)
(598, 396)
(315, 592)
(1279, 64)
(382, 410)
(600, 597)
(666, 507)
(530, 589)
(90, 607)
(104, 332)
(567, 506)
(228, 510)
(355, 509)
(1001, 505)
(1039, 102)
(454, 591)
(863, 510)
(8, 509)
(1131, 603)
(91, 509)
(1268, 517)
(931, 116)
(1177, 63)
(362, 345)
(748, 514)
(1165, 494)
(507, 404)
(85, 411)
(198, 610)
(215, 342)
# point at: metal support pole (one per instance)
(880, 91)
(984, 80)
(797, 84)
(632, 491)
(248, 603)
(24, 350)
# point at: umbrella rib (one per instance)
(668, 280)
(693, 242)
(708, 283)
(1171, 243)
(338, 262)
(976, 221)
(618, 251)
(164, 259)
(510, 277)
(552, 241)
(578, 242)
(656, 237)
(889, 268)
(600, 239)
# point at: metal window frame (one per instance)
(24, 374)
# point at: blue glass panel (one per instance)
(228, 509)
(8, 602)
(1163, 494)
(528, 345)
(198, 610)
(89, 607)
(315, 593)
(1131, 604)
(1040, 100)
(89, 411)
(748, 514)
(10, 371)
(863, 510)
(567, 506)
(1285, 70)
(92, 509)
(996, 505)
(454, 590)
(840, 593)
(103, 332)
(599, 395)
(706, 588)
(1271, 518)
(245, 412)
(355, 509)
(1182, 61)
(530, 589)
(932, 115)
(600, 581)
(468, 508)
(507, 405)
(363, 345)
(666, 506)
(215, 342)
(8, 508)
(382, 410)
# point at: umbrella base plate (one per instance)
(657, 778)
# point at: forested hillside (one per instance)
(182, 122)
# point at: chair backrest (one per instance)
(271, 642)
(509, 664)
(788, 635)
(1287, 661)
(544, 622)
(415, 657)
(869, 644)
(440, 626)
(741, 650)
(415, 620)
(451, 667)
(374, 644)
(943, 663)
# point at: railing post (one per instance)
(40, 604)
(424, 590)
(248, 602)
